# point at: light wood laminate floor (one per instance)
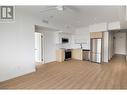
(74, 74)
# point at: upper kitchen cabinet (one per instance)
(96, 34)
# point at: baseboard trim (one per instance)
(18, 75)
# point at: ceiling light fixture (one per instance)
(60, 8)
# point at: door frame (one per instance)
(42, 49)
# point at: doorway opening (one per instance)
(39, 48)
(118, 44)
(44, 44)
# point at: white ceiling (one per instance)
(78, 16)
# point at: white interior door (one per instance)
(38, 50)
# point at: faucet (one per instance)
(81, 45)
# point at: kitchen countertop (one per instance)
(75, 48)
(86, 49)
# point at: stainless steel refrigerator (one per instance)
(96, 50)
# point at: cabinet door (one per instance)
(77, 54)
(60, 55)
(96, 35)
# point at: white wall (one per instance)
(65, 45)
(120, 43)
(17, 45)
(49, 47)
(82, 35)
(98, 27)
(114, 25)
(105, 49)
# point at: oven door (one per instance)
(67, 55)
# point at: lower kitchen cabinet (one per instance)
(77, 54)
(60, 55)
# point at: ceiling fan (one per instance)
(57, 8)
(60, 8)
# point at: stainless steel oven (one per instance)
(67, 54)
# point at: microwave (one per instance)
(65, 40)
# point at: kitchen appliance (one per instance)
(67, 54)
(96, 50)
(86, 54)
(65, 40)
